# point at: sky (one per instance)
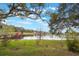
(30, 23)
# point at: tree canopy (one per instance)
(17, 9)
(67, 17)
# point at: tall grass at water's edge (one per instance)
(30, 47)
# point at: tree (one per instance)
(20, 10)
(68, 17)
(23, 11)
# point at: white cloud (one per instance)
(41, 22)
(18, 25)
(3, 22)
(54, 8)
(33, 9)
(33, 16)
(44, 10)
(44, 18)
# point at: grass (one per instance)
(30, 48)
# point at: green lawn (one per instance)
(31, 48)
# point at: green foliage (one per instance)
(30, 48)
(68, 16)
(73, 42)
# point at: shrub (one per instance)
(73, 42)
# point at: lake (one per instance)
(43, 37)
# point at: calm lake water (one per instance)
(43, 37)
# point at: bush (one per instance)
(73, 42)
(5, 41)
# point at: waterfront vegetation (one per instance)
(62, 20)
(30, 48)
